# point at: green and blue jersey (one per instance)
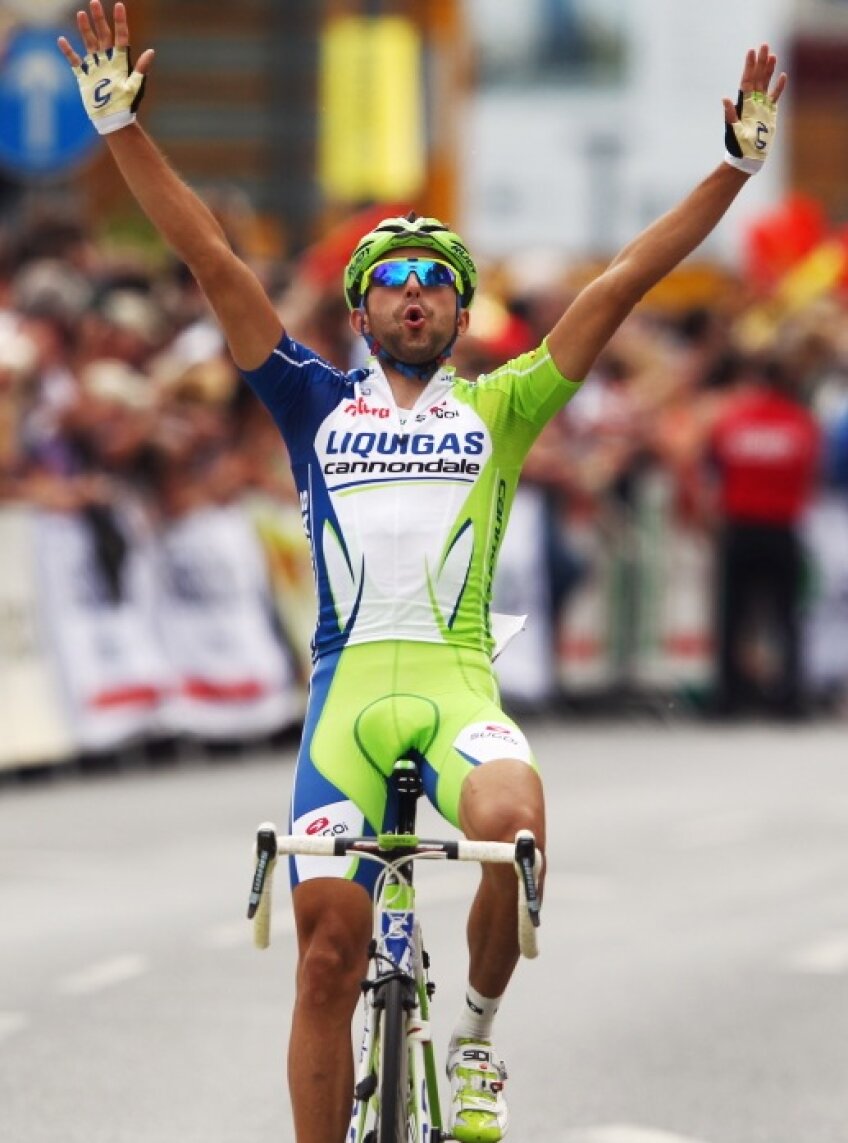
(405, 510)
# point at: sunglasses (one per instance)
(394, 272)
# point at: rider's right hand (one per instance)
(111, 89)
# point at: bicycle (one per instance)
(396, 1093)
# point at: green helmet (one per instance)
(409, 230)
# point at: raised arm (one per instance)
(599, 309)
(110, 92)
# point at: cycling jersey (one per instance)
(405, 518)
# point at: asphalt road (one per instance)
(692, 987)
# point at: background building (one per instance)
(506, 117)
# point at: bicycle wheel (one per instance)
(394, 1065)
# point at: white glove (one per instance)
(748, 140)
(111, 90)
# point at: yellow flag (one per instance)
(812, 278)
(371, 109)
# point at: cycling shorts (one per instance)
(373, 703)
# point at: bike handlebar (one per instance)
(522, 853)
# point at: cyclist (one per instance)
(406, 473)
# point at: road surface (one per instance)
(692, 987)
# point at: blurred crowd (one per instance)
(115, 386)
(115, 382)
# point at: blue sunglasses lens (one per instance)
(396, 271)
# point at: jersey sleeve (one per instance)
(285, 378)
(297, 387)
(520, 397)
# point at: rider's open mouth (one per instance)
(413, 316)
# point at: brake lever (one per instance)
(266, 852)
(525, 859)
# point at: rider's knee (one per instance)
(331, 969)
(496, 810)
(501, 820)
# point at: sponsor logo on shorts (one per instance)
(325, 828)
(337, 819)
(330, 821)
(492, 730)
(486, 741)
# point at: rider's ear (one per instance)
(462, 321)
(359, 321)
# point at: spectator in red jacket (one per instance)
(766, 446)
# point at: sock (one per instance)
(477, 1016)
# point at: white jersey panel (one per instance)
(397, 491)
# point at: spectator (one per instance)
(766, 446)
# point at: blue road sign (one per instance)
(44, 129)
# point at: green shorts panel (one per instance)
(436, 703)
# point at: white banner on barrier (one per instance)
(101, 623)
(674, 643)
(35, 729)
(826, 619)
(235, 679)
(586, 663)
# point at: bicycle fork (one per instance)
(398, 954)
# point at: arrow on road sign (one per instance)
(40, 80)
(44, 129)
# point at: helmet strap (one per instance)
(423, 371)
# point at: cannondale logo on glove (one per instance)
(101, 94)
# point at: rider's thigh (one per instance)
(333, 919)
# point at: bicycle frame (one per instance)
(397, 953)
(396, 1093)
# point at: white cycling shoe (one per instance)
(478, 1110)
